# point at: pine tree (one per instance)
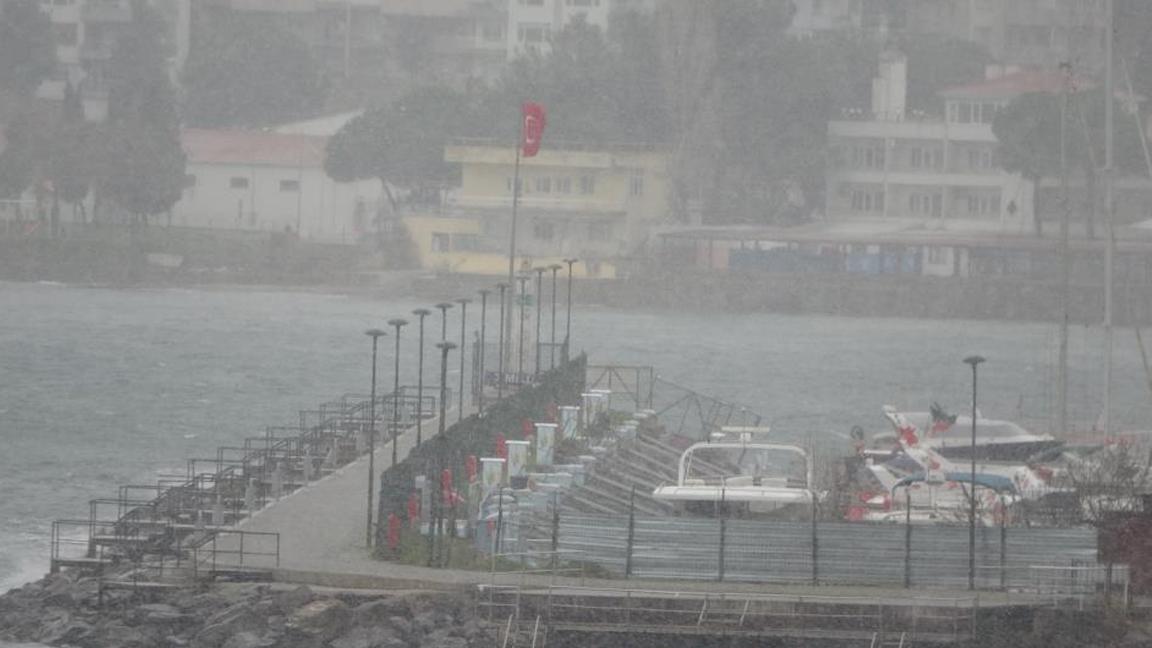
(144, 163)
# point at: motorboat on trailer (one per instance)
(951, 436)
(740, 476)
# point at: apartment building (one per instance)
(931, 170)
(86, 32)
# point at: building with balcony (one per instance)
(935, 171)
(86, 33)
(597, 204)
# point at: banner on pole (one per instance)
(531, 128)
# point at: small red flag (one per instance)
(531, 128)
(501, 446)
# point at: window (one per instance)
(290, 186)
(868, 157)
(636, 184)
(564, 185)
(440, 241)
(587, 185)
(532, 34)
(519, 185)
(543, 230)
(583, 3)
(544, 184)
(937, 255)
(599, 232)
(492, 32)
(238, 183)
(532, 3)
(867, 200)
(979, 159)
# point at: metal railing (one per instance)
(826, 553)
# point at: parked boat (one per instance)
(740, 477)
(951, 436)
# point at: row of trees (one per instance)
(133, 159)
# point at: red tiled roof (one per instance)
(253, 147)
(1017, 83)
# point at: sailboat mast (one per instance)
(1109, 172)
(1065, 261)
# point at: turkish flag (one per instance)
(531, 128)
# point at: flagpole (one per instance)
(515, 207)
(512, 236)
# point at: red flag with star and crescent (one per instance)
(532, 124)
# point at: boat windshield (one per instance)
(745, 466)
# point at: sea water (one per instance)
(102, 387)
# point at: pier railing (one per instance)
(188, 521)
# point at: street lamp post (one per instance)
(483, 333)
(973, 361)
(555, 267)
(397, 324)
(539, 285)
(503, 286)
(568, 327)
(463, 301)
(444, 308)
(421, 313)
(375, 334)
(523, 279)
(444, 347)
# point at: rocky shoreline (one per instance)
(66, 610)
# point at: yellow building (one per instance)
(595, 205)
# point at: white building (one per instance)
(271, 182)
(86, 33)
(933, 171)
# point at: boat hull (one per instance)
(1008, 452)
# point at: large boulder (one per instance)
(319, 621)
(236, 618)
(366, 637)
(290, 601)
(379, 610)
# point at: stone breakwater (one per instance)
(64, 610)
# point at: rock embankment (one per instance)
(64, 610)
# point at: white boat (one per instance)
(951, 436)
(740, 476)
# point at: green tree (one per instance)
(1028, 132)
(27, 46)
(598, 88)
(1028, 136)
(246, 70)
(144, 162)
(70, 160)
(402, 145)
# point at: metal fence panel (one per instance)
(848, 553)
